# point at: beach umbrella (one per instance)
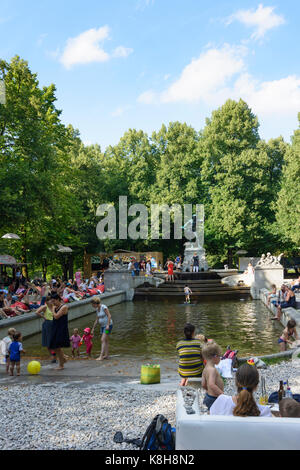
(64, 249)
(11, 236)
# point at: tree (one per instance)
(231, 129)
(288, 203)
(178, 175)
(33, 160)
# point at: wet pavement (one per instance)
(115, 372)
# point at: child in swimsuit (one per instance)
(187, 292)
(75, 340)
(290, 330)
(87, 338)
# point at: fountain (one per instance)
(196, 247)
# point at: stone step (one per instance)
(196, 294)
(173, 287)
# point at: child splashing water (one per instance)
(187, 292)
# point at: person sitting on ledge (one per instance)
(272, 295)
(289, 301)
(288, 332)
(243, 403)
(190, 355)
(296, 284)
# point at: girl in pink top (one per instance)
(78, 278)
(87, 338)
(75, 342)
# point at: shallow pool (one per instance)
(151, 329)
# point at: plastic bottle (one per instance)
(288, 393)
(284, 389)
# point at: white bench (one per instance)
(205, 432)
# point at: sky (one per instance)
(121, 64)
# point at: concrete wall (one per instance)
(244, 261)
(29, 324)
(264, 278)
(126, 282)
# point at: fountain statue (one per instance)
(196, 247)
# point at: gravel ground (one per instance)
(68, 416)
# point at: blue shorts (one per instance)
(209, 400)
(33, 307)
(281, 341)
(103, 328)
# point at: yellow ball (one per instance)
(34, 367)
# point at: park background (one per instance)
(200, 135)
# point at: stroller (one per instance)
(231, 354)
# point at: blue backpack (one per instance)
(159, 435)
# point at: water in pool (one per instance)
(151, 329)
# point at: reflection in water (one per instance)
(152, 329)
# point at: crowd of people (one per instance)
(284, 298)
(22, 296)
(55, 334)
(198, 357)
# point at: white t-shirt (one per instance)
(224, 405)
(102, 317)
(7, 341)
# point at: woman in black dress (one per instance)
(60, 337)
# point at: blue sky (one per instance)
(120, 64)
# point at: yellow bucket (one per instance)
(150, 374)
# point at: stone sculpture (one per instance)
(269, 261)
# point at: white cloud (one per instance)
(122, 52)
(142, 4)
(41, 39)
(268, 98)
(262, 20)
(119, 111)
(203, 76)
(148, 97)
(85, 48)
(220, 74)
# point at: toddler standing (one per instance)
(75, 341)
(211, 380)
(7, 341)
(87, 338)
(15, 349)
